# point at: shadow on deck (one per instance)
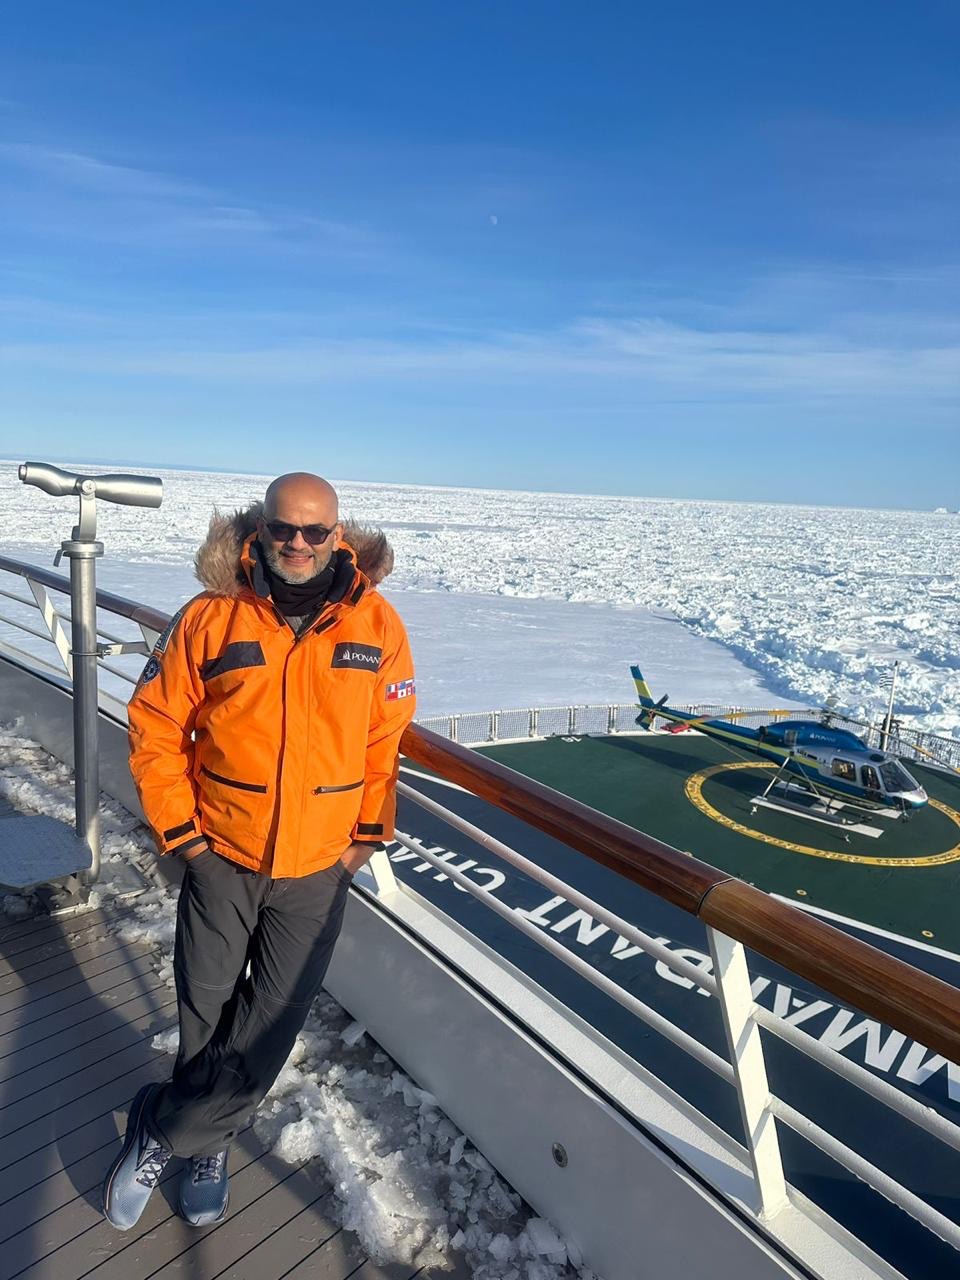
(78, 1011)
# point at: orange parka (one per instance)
(276, 750)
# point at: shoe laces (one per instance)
(151, 1165)
(208, 1168)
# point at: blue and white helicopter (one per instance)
(824, 761)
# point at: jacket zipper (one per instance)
(326, 618)
(347, 786)
(232, 782)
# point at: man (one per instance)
(264, 734)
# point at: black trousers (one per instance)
(239, 1023)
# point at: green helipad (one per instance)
(694, 794)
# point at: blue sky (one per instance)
(693, 249)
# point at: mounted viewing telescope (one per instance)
(82, 549)
(127, 490)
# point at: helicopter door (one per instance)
(844, 769)
(869, 777)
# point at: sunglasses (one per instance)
(280, 531)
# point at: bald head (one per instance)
(299, 501)
(301, 489)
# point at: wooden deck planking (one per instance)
(70, 996)
(71, 976)
(272, 1205)
(142, 984)
(71, 1038)
(53, 1157)
(21, 934)
(55, 1126)
(63, 1094)
(307, 1234)
(49, 943)
(86, 955)
(78, 1012)
(31, 1078)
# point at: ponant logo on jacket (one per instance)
(362, 657)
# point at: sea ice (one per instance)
(557, 591)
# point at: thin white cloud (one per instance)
(649, 357)
(137, 205)
(74, 169)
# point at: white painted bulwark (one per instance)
(631, 1209)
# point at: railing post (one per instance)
(82, 549)
(534, 721)
(381, 868)
(494, 726)
(82, 553)
(611, 719)
(54, 623)
(746, 1058)
(150, 637)
(454, 728)
(571, 721)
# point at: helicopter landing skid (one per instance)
(872, 810)
(815, 807)
(816, 811)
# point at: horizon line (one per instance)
(552, 493)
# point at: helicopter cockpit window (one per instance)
(894, 778)
(844, 769)
(869, 778)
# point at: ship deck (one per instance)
(78, 1011)
(693, 793)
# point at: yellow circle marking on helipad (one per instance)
(694, 792)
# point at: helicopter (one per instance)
(817, 756)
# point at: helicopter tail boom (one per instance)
(647, 716)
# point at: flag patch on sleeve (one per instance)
(402, 689)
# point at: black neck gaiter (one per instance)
(296, 599)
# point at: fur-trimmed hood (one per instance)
(217, 563)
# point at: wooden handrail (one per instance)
(655, 866)
(902, 997)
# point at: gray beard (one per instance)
(275, 561)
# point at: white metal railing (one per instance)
(514, 724)
(56, 632)
(730, 983)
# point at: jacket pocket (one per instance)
(234, 812)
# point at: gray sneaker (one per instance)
(203, 1190)
(136, 1170)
